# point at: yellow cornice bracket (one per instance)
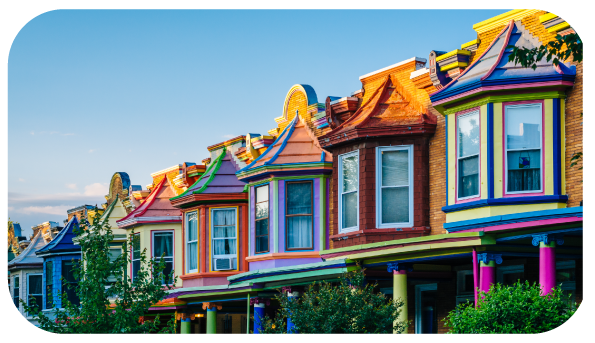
(452, 53)
(558, 27)
(468, 44)
(501, 20)
(280, 119)
(547, 17)
(454, 65)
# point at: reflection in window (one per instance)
(262, 219)
(468, 155)
(523, 147)
(299, 215)
(348, 184)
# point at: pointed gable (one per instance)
(27, 258)
(63, 242)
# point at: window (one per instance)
(509, 275)
(349, 191)
(135, 255)
(262, 220)
(224, 238)
(114, 254)
(192, 242)
(34, 290)
(394, 191)
(49, 284)
(163, 248)
(468, 155)
(69, 280)
(298, 215)
(523, 148)
(465, 287)
(426, 317)
(566, 277)
(16, 291)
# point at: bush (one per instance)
(512, 309)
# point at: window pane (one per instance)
(135, 269)
(35, 285)
(136, 246)
(350, 173)
(299, 232)
(262, 210)
(224, 247)
(262, 244)
(49, 280)
(567, 274)
(262, 193)
(68, 271)
(395, 205)
(395, 168)
(262, 227)
(299, 198)
(224, 232)
(468, 176)
(468, 135)
(349, 210)
(164, 242)
(524, 170)
(192, 227)
(523, 127)
(193, 256)
(224, 217)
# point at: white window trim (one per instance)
(28, 283)
(188, 242)
(460, 157)
(500, 271)
(173, 246)
(213, 256)
(418, 290)
(542, 163)
(379, 151)
(19, 289)
(340, 186)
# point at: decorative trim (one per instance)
(506, 201)
(547, 239)
(398, 266)
(259, 300)
(471, 43)
(506, 98)
(453, 65)
(490, 138)
(487, 257)
(416, 59)
(502, 19)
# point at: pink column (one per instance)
(547, 267)
(487, 275)
(475, 275)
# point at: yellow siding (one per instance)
(548, 146)
(483, 122)
(490, 211)
(118, 212)
(452, 158)
(563, 144)
(498, 178)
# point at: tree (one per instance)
(558, 50)
(519, 308)
(346, 307)
(109, 301)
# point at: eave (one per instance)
(371, 132)
(266, 170)
(208, 198)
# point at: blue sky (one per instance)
(95, 92)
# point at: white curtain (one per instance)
(224, 232)
(299, 232)
(299, 211)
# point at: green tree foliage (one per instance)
(348, 306)
(557, 51)
(107, 306)
(519, 308)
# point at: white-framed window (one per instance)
(349, 192)
(16, 291)
(163, 248)
(523, 147)
(261, 237)
(509, 275)
(224, 233)
(468, 147)
(35, 290)
(192, 242)
(394, 186)
(135, 255)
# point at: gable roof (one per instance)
(63, 241)
(27, 258)
(492, 67)
(155, 209)
(295, 148)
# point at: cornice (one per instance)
(502, 19)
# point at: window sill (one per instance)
(286, 255)
(518, 200)
(380, 231)
(209, 274)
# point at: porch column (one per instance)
(487, 270)
(399, 271)
(292, 294)
(259, 304)
(185, 321)
(211, 316)
(547, 260)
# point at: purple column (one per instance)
(547, 260)
(487, 270)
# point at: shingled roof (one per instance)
(27, 258)
(63, 241)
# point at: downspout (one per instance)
(475, 275)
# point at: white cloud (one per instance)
(92, 151)
(58, 210)
(71, 185)
(21, 180)
(96, 189)
(33, 133)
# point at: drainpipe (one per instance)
(475, 275)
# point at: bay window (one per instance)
(394, 186)
(163, 249)
(523, 144)
(468, 155)
(299, 229)
(192, 242)
(348, 191)
(262, 220)
(224, 238)
(34, 290)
